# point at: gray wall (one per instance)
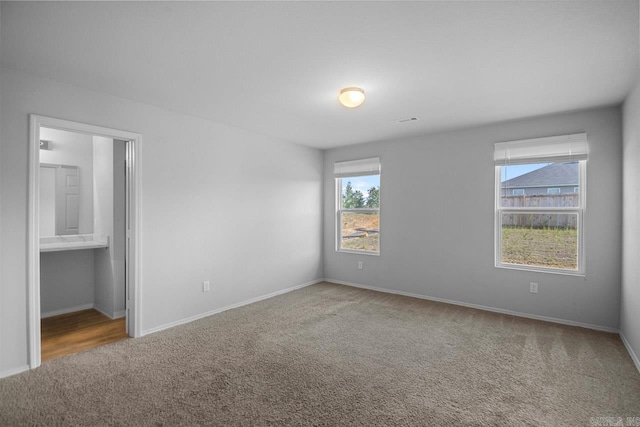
(438, 245)
(630, 301)
(109, 208)
(218, 203)
(117, 244)
(67, 280)
(3, 305)
(103, 221)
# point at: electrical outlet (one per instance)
(533, 287)
(359, 265)
(206, 286)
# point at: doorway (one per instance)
(72, 220)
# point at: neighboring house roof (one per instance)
(553, 175)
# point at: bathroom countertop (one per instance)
(73, 242)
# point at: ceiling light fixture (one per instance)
(351, 97)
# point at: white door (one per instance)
(67, 200)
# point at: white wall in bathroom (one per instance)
(109, 218)
(103, 221)
(117, 244)
(66, 281)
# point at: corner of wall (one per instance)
(1, 192)
(322, 213)
(634, 356)
(630, 281)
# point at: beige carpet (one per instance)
(333, 355)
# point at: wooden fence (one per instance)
(540, 220)
(570, 200)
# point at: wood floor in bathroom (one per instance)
(75, 332)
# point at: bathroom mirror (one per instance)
(59, 199)
(67, 167)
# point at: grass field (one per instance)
(353, 222)
(367, 243)
(544, 247)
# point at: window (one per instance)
(542, 230)
(358, 205)
(518, 192)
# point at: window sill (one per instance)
(540, 270)
(347, 251)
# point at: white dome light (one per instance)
(351, 97)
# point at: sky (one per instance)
(362, 183)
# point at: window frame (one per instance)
(340, 211)
(579, 210)
(559, 190)
(520, 192)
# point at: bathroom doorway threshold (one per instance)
(133, 250)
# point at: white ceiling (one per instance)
(275, 68)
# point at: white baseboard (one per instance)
(14, 371)
(632, 353)
(229, 307)
(102, 310)
(66, 310)
(115, 315)
(479, 307)
(110, 314)
(119, 314)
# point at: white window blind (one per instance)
(564, 148)
(360, 167)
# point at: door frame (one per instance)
(133, 279)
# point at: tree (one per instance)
(358, 199)
(352, 199)
(347, 196)
(373, 201)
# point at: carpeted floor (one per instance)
(333, 355)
